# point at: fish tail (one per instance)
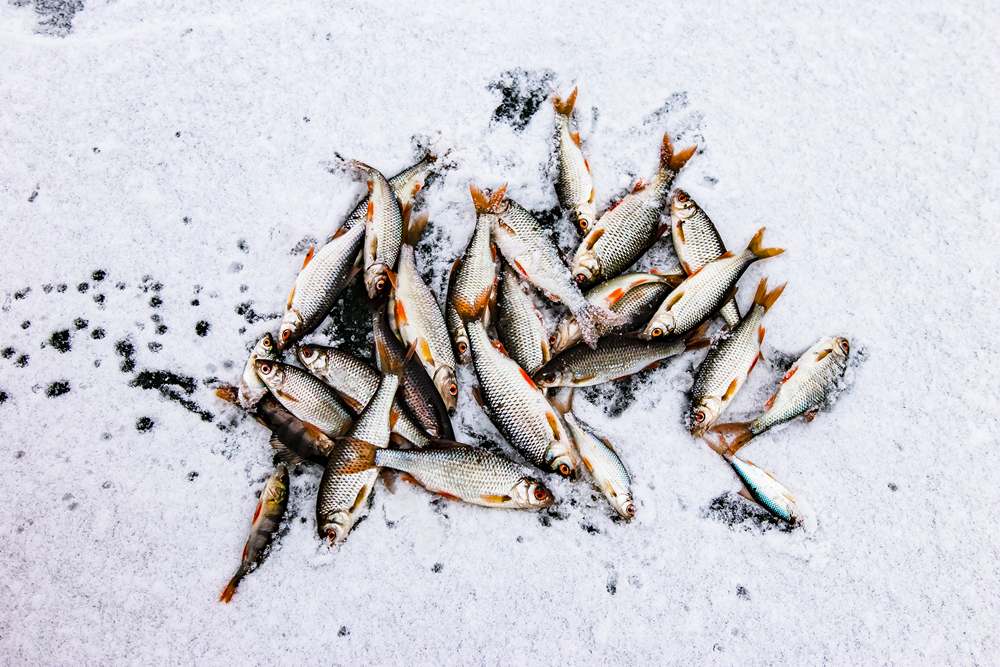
(229, 393)
(230, 589)
(486, 201)
(592, 319)
(755, 246)
(413, 227)
(670, 161)
(766, 299)
(564, 107)
(727, 439)
(361, 167)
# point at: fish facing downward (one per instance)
(729, 363)
(266, 519)
(574, 183)
(383, 232)
(252, 389)
(625, 231)
(520, 325)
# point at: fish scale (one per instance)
(615, 356)
(405, 185)
(610, 475)
(769, 492)
(574, 183)
(520, 325)
(383, 233)
(305, 396)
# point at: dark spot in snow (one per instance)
(590, 528)
(61, 287)
(20, 294)
(192, 475)
(99, 275)
(72, 506)
(893, 487)
(228, 363)
(303, 519)
(738, 512)
(97, 363)
(711, 180)
(612, 584)
(157, 379)
(80, 323)
(99, 299)
(251, 316)
(741, 592)
(178, 135)
(25, 324)
(96, 150)
(202, 328)
(33, 196)
(155, 318)
(242, 330)
(343, 632)
(55, 17)
(187, 220)
(307, 119)
(437, 567)
(105, 436)
(144, 424)
(154, 346)
(242, 245)
(303, 245)
(47, 288)
(350, 325)
(3, 399)
(162, 329)
(97, 333)
(675, 101)
(60, 341)
(521, 94)
(22, 361)
(120, 285)
(126, 351)
(106, 484)
(57, 388)
(614, 397)
(196, 302)
(19, 454)
(244, 288)
(155, 301)
(8, 352)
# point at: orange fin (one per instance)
(553, 424)
(575, 136)
(491, 499)
(730, 390)
(639, 186)
(755, 246)
(679, 228)
(811, 414)
(400, 312)
(565, 107)
(370, 211)
(309, 256)
(820, 356)
(285, 395)
(760, 334)
(527, 378)
(674, 161)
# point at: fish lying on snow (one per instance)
(803, 390)
(729, 363)
(761, 487)
(405, 185)
(519, 324)
(266, 519)
(416, 316)
(305, 396)
(697, 242)
(704, 292)
(627, 230)
(252, 389)
(574, 183)
(383, 232)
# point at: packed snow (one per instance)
(166, 166)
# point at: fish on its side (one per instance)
(624, 232)
(519, 324)
(323, 276)
(456, 329)
(405, 185)
(697, 242)
(252, 389)
(305, 396)
(632, 296)
(705, 291)
(415, 315)
(766, 490)
(383, 232)
(266, 519)
(574, 183)
(729, 363)
(803, 390)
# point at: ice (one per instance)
(159, 155)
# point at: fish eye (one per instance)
(540, 494)
(380, 283)
(462, 347)
(265, 368)
(579, 277)
(564, 469)
(266, 342)
(682, 196)
(584, 223)
(453, 389)
(699, 416)
(306, 352)
(286, 334)
(656, 332)
(845, 345)
(630, 509)
(553, 339)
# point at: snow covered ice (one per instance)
(164, 167)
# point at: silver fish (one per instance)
(383, 232)
(252, 389)
(415, 314)
(766, 490)
(405, 185)
(474, 275)
(625, 231)
(574, 184)
(305, 396)
(705, 291)
(456, 328)
(520, 325)
(518, 407)
(697, 242)
(322, 278)
(729, 363)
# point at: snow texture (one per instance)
(166, 165)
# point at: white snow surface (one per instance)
(189, 144)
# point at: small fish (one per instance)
(729, 363)
(632, 296)
(697, 242)
(625, 231)
(456, 328)
(520, 325)
(266, 519)
(415, 314)
(323, 276)
(615, 357)
(803, 390)
(606, 468)
(305, 396)
(383, 232)
(405, 185)
(705, 291)
(251, 388)
(535, 257)
(471, 286)
(766, 490)
(574, 184)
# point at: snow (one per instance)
(185, 148)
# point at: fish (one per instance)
(456, 328)
(629, 228)
(574, 183)
(763, 488)
(697, 242)
(803, 390)
(729, 363)
(305, 396)
(349, 476)
(615, 357)
(252, 389)
(266, 519)
(705, 291)
(415, 315)
(606, 469)
(632, 296)
(405, 185)
(518, 408)
(323, 277)
(520, 325)
(383, 232)
(532, 253)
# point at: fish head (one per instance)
(586, 267)
(567, 332)
(662, 324)
(704, 412)
(553, 375)
(311, 358)
(270, 372)
(447, 386)
(377, 281)
(276, 491)
(843, 345)
(462, 346)
(563, 458)
(586, 215)
(530, 492)
(624, 505)
(265, 347)
(682, 206)
(334, 526)
(291, 325)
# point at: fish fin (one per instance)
(609, 444)
(761, 330)
(788, 374)
(400, 441)
(285, 395)
(446, 495)
(575, 136)
(745, 492)
(228, 393)
(283, 454)
(510, 230)
(414, 229)
(291, 297)
(527, 378)
(687, 268)
(811, 414)
(823, 354)
(674, 161)
(755, 246)
(562, 399)
(586, 165)
(614, 205)
(370, 211)
(593, 191)
(393, 417)
(770, 401)
(497, 197)
(498, 346)
(353, 403)
(479, 199)
(389, 478)
(730, 390)
(672, 298)
(698, 338)
(494, 499)
(679, 228)
(650, 366)
(391, 276)
(553, 420)
(477, 395)
(520, 268)
(400, 313)
(424, 350)
(753, 364)
(564, 107)
(668, 278)
(764, 298)
(639, 186)
(230, 589)
(309, 255)
(362, 458)
(493, 251)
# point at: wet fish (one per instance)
(534, 256)
(323, 276)
(632, 296)
(520, 325)
(803, 390)
(574, 183)
(456, 329)
(697, 242)
(415, 314)
(518, 407)
(705, 291)
(252, 389)
(305, 396)
(405, 185)
(766, 490)
(266, 520)
(625, 231)
(615, 357)
(729, 363)
(383, 232)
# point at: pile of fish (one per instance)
(333, 409)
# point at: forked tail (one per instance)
(727, 439)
